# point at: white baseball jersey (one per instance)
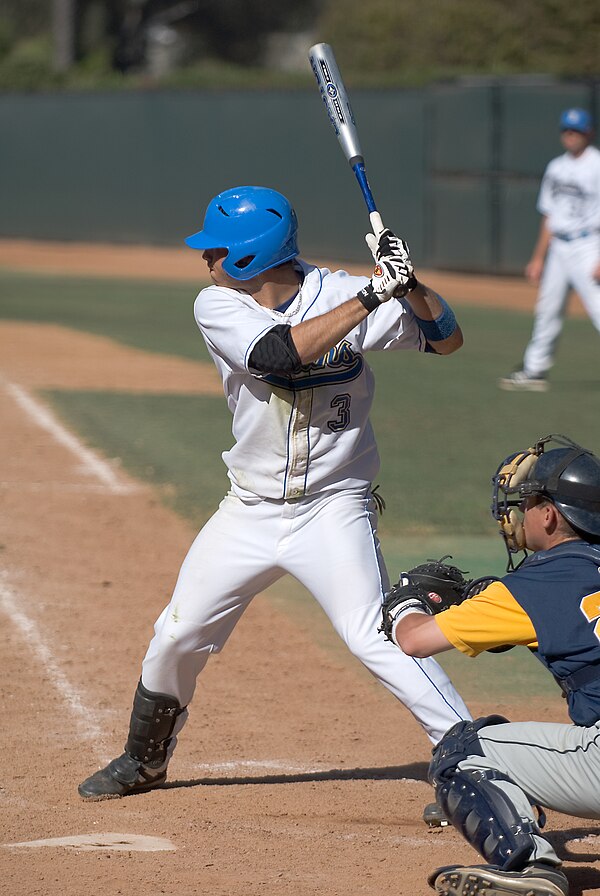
(310, 432)
(570, 193)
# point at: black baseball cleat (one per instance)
(434, 816)
(121, 777)
(537, 879)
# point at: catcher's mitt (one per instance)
(430, 588)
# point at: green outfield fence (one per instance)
(454, 167)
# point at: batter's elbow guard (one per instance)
(276, 352)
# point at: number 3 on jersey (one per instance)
(341, 403)
(590, 607)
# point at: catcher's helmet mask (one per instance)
(568, 476)
(256, 225)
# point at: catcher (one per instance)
(491, 776)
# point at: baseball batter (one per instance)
(567, 252)
(289, 340)
(489, 774)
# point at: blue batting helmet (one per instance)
(256, 225)
(576, 120)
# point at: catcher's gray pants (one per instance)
(568, 265)
(557, 766)
(327, 542)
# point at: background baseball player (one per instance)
(289, 340)
(567, 252)
(489, 773)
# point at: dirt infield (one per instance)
(296, 773)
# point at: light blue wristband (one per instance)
(440, 328)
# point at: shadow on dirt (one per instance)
(416, 771)
(582, 880)
(578, 845)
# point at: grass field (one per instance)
(441, 423)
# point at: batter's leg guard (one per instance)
(481, 811)
(143, 765)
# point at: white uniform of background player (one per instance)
(289, 341)
(567, 253)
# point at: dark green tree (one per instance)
(411, 38)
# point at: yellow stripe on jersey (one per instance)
(489, 619)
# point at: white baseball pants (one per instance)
(329, 544)
(569, 264)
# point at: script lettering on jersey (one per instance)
(570, 195)
(341, 364)
(564, 188)
(341, 355)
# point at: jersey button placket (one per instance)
(298, 444)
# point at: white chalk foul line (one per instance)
(58, 485)
(92, 464)
(257, 765)
(32, 635)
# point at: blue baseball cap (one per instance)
(576, 120)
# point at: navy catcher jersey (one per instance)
(559, 590)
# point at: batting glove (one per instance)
(386, 243)
(394, 272)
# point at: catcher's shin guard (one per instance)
(143, 765)
(487, 818)
(481, 811)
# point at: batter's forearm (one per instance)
(436, 319)
(314, 337)
(393, 275)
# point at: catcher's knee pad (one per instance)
(487, 818)
(152, 722)
(458, 742)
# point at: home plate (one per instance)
(122, 842)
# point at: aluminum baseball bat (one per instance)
(339, 110)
